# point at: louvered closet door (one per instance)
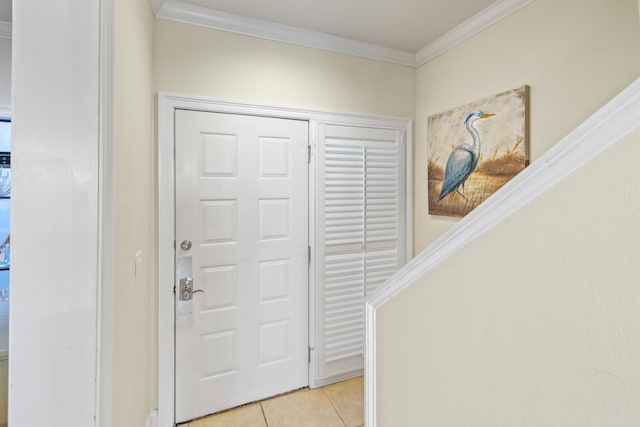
(360, 239)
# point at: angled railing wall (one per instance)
(610, 124)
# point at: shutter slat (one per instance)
(361, 184)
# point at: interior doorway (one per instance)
(384, 144)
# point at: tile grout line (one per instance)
(334, 407)
(264, 416)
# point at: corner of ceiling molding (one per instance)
(6, 30)
(157, 5)
(469, 28)
(179, 11)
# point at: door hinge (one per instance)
(309, 153)
(309, 354)
(308, 254)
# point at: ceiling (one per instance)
(406, 25)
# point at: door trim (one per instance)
(167, 104)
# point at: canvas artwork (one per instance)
(475, 149)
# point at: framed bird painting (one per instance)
(475, 149)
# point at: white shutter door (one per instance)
(360, 237)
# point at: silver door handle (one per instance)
(186, 289)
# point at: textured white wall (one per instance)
(134, 298)
(5, 72)
(574, 54)
(54, 270)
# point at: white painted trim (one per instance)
(6, 30)
(408, 192)
(167, 104)
(5, 111)
(610, 124)
(183, 12)
(469, 28)
(106, 219)
(166, 263)
(312, 333)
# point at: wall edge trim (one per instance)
(615, 120)
(106, 218)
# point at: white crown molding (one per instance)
(156, 5)
(607, 126)
(192, 14)
(183, 12)
(469, 28)
(6, 29)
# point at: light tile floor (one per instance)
(337, 405)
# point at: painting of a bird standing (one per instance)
(463, 160)
(474, 150)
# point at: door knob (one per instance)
(186, 289)
(185, 245)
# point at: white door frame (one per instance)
(167, 104)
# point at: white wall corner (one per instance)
(197, 15)
(106, 182)
(615, 120)
(469, 28)
(6, 30)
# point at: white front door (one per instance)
(242, 202)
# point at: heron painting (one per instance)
(475, 149)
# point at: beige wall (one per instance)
(200, 61)
(574, 54)
(193, 60)
(535, 323)
(5, 72)
(134, 298)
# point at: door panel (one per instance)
(242, 200)
(360, 207)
